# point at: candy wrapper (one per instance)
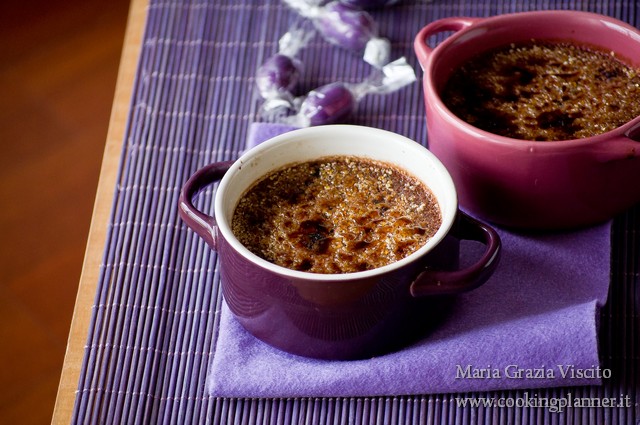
(347, 27)
(278, 75)
(335, 102)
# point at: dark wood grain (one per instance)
(58, 73)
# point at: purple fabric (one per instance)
(260, 132)
(532, 325)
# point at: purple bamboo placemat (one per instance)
(157, 306)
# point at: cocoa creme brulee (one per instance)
(337, 214)
(544, 91)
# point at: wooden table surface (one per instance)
(63, 410)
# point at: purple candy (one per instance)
(346, 26)
(277, 76)
(328, 104)
(333, 103)
(369, 4)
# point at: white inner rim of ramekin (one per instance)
(322, 141)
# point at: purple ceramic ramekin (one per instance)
(339, 316)
(529, 184)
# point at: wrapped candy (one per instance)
(279, 74)
(346, 26)
(328, 104)
(335, 102)
(369, 4)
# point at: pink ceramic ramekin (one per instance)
(339, 316)
(527, 184)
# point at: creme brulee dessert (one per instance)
(338, 214)
(544, 91)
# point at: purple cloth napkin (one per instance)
(532, 325)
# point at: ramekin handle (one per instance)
(204, 225)
(422, 49)
(623, 146)
(439, 282)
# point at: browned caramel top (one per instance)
(544, 91)
(336, 215)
